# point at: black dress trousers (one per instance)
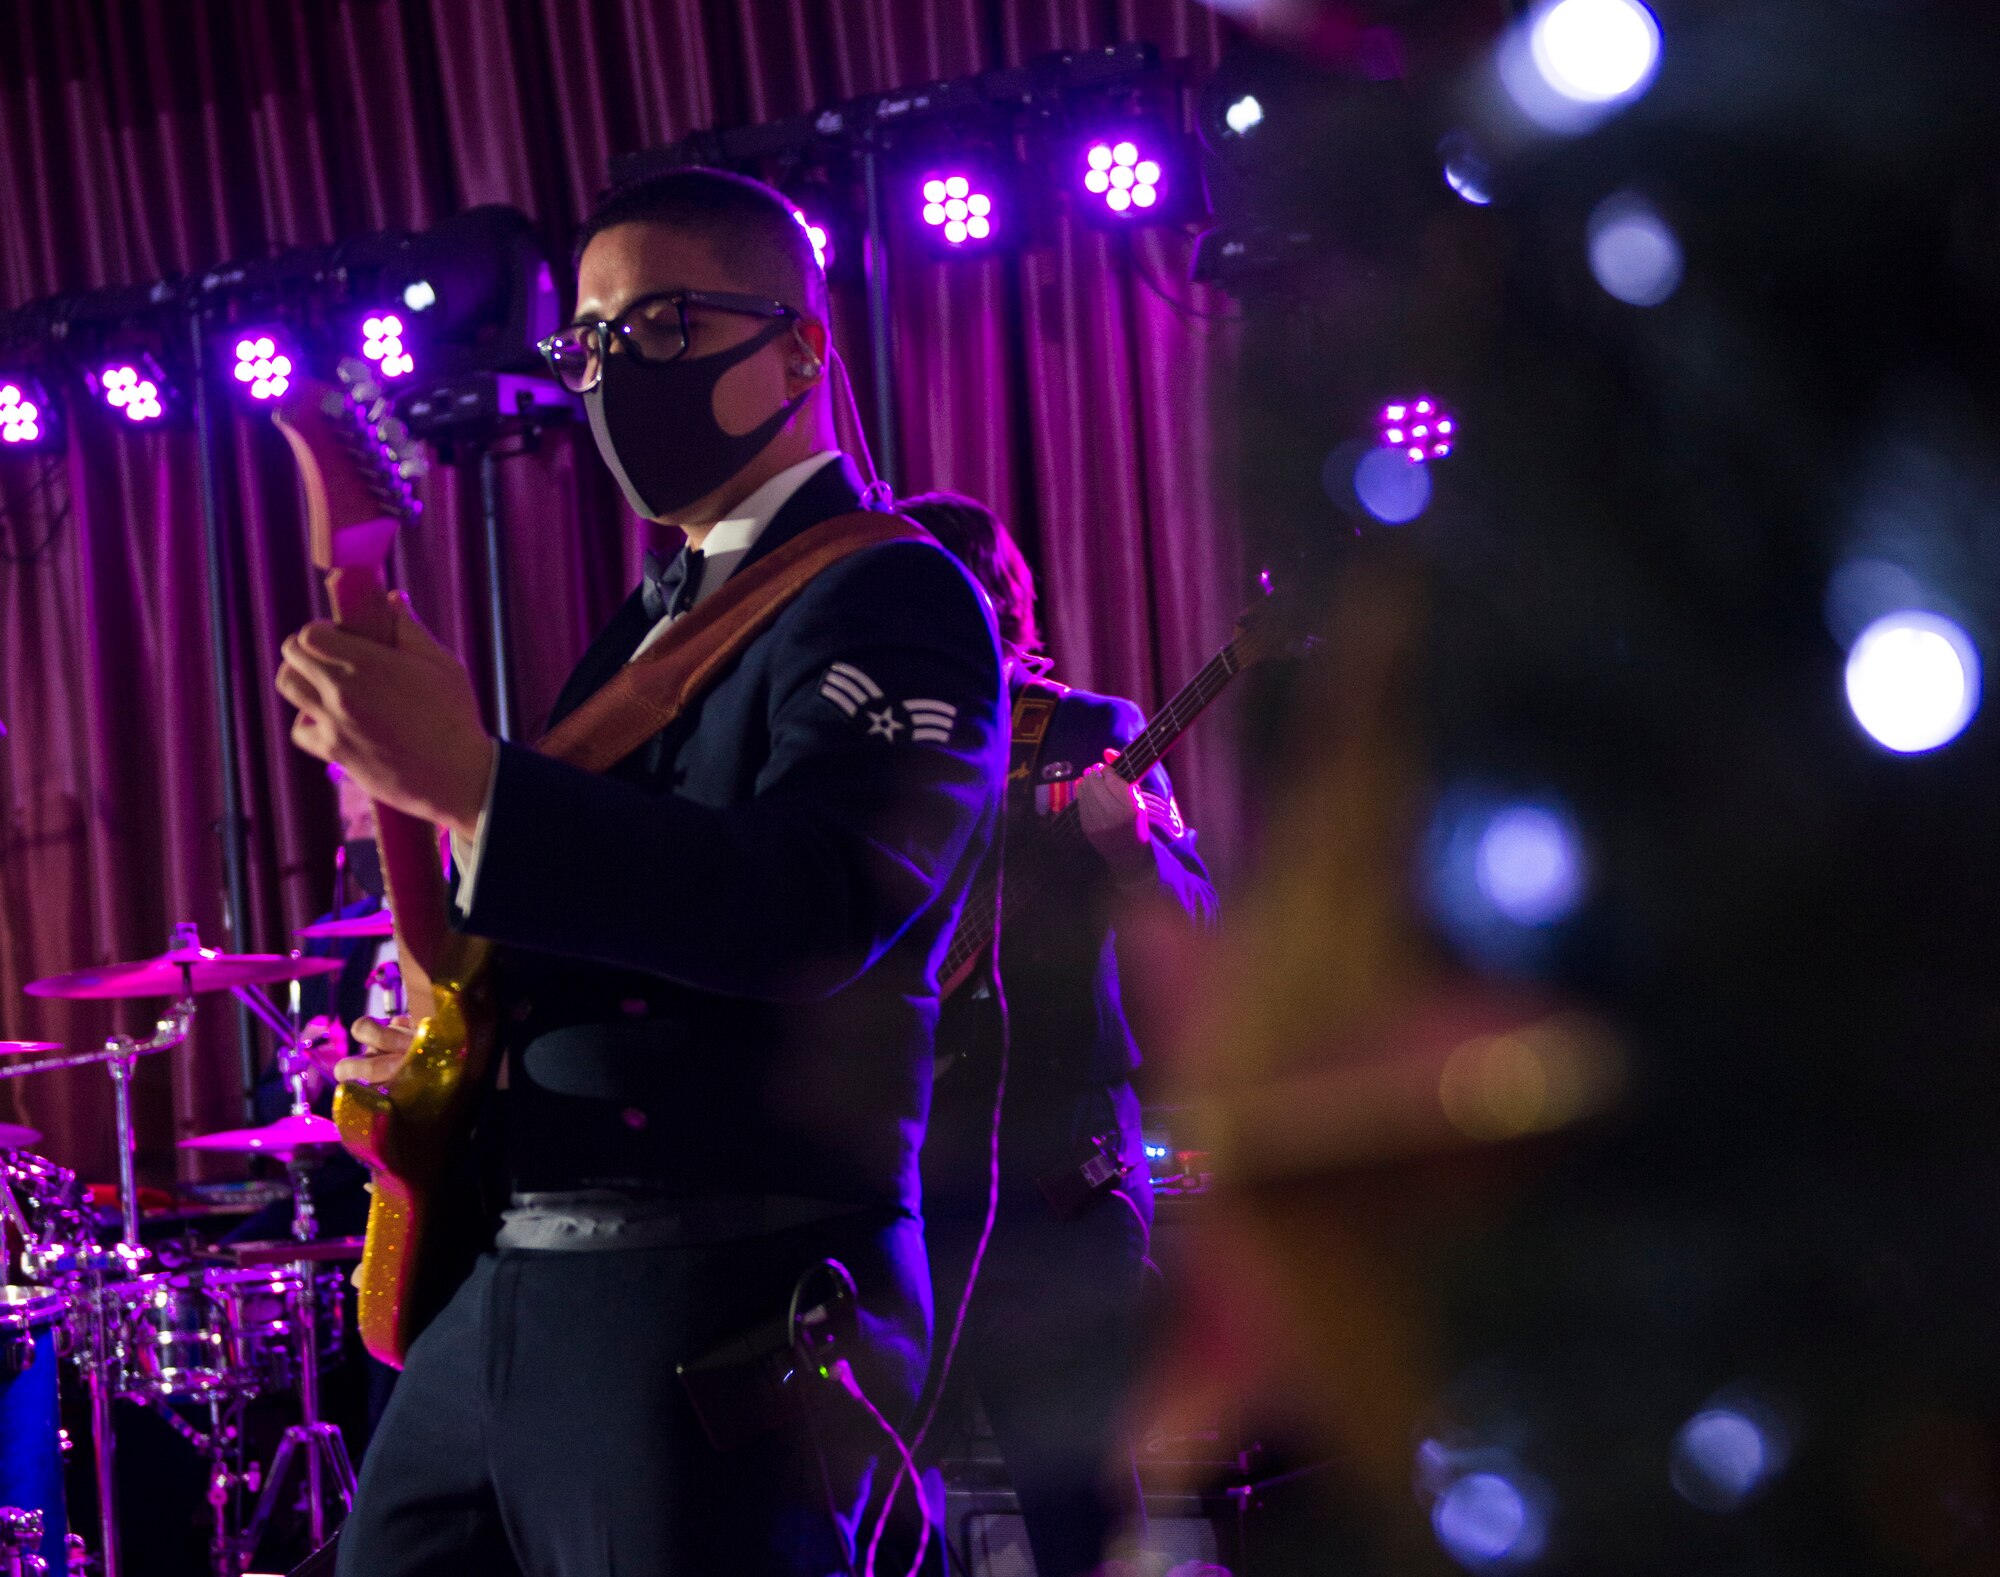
(540, 1428)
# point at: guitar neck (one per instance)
(986, 911)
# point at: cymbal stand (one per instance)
(120, 1054)
(319, 1444)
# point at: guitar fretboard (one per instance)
(985, 909)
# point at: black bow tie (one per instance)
(673, 584)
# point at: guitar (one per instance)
(1266, 629)
(357, 462)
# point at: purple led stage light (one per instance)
(129, 390)
(819, 235)
(1420, 427)
(382, 343)
(24, 419)
(262, 367)
(1123, 176)
(956, 210)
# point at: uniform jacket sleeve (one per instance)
(1181, 872)
(861, 811)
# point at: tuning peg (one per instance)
(392, 431)
(353, 371)
(412, 466)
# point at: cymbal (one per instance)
(182, 969)
(380, 923)
(28, 1048)
(289, 1133)
(18, 1136)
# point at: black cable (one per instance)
(1185, 309)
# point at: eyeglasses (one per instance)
(653, 328)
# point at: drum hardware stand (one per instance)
(321, 1444)
(120, 1054)
(20, 1540)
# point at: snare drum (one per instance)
(210, 1332)
(32, 1320)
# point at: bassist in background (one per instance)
(1052, 1337)
(716, 980)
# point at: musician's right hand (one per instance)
(388, 1043)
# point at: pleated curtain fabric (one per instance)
(1081, 387)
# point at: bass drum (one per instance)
(32, 1322)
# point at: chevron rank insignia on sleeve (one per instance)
(860, 697)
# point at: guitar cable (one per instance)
(942, 1376)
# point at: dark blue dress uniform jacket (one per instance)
(1059, 959)
(719, 965)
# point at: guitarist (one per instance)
(1051, 1339)
(716, 982)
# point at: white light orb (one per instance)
(1913, 681)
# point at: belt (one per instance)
(601, 1220)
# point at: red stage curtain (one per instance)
(142, 138)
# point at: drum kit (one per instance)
(193, 1337)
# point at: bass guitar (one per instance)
(1268, 628)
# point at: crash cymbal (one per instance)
(28, 1048)
(380, 923)
(18, 1136)
(281, 1138)
(182, 969)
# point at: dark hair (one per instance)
(751, 226)
(975, 536)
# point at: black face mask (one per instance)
(364, 865)
(655, 425)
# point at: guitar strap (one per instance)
(1034, 710)
(660, 684)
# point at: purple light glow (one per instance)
(262, 368)
(1116, 172)
(382, 343)
(127, 391)
(1419, 427)
(950, 204)
(822, 240)
(20, 417)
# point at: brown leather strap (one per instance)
(648, 693)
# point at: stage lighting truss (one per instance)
(135, 386)
(29, 420)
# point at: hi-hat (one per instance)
(18, 1136)
(380, 923)
(182, 969)
(294, 1131)
(28, 1048)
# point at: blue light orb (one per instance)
(1392, 487)
(1484, 1520)
(1528, 865)
(1466, 170)
(1720, 1457)
(1913, 681)
(1634, 253)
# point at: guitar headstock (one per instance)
(359, 464)
(1277, 624)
